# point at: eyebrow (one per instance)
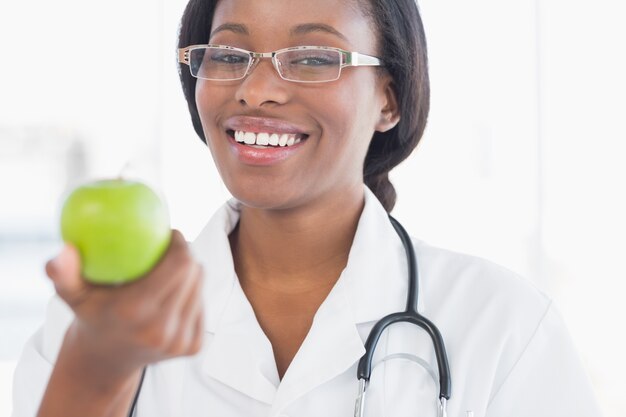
(233, 27)
(316, 27)
(302, 29)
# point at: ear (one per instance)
(389, 113)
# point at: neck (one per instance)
(299, 249)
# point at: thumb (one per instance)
(64, 271)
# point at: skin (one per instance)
(308, 206)
(296, 227)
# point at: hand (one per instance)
(121, 329)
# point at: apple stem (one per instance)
(120, 176)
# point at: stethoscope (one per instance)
(410, 315)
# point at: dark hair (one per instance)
(402, 45)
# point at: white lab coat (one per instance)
(509, 352)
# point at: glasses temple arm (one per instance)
(355, 59)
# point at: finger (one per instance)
(64, 271)
(198, 333)
(161, 280)
(160, 322)
(191, 309)
(177, 301)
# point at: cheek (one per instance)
(350, 117)
(210, 102)
(210, 105)
(205, 101)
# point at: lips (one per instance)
(264, 141)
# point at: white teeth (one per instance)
(265, 139)
(249, 138)
(262, 139)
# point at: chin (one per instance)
(265, 195)
(285, 190)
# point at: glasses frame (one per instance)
(348, 59)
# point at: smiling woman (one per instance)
(305, 107)
(328, 165)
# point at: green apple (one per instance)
(120, 228)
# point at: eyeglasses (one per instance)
(302, 64)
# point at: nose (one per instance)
(263, 86)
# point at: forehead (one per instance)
(267, 20)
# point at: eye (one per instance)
(314, 61)
(314, 58)
(229, 58)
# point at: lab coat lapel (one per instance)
(240, 355)
(233, 333)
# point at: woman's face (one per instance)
(335, 120)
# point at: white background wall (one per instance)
(521, 162)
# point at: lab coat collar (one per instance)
(377, 268)
(240, 355)
(212, 250)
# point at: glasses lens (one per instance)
(218, 63)
(312, 65)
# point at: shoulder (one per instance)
(505, 339)
(487, 313)
(476, 282)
